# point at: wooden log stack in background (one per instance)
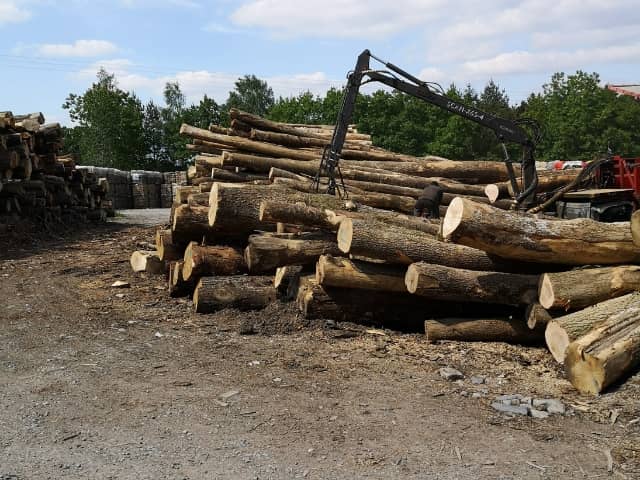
(37, 182)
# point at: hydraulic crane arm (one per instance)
(506, 131)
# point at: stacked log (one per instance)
(37, 182)
(251, 230)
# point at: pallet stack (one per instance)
(36, 181)
(252, 231)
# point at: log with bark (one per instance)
(607, 353)
(474, 170)
(344, 273)
(364, 174)
(297, 213)
(205, 260)
(268, 252)
(546, 183)
(524, 237)
(397, 245)
(537, 316)
(563, 330)
(577, 289)
(509, 330)
(146, 261)
(235, 208)
(190, 223)
(285, 278)
(635, 227)
(238, 291)
(247, 145)
(166, 249)
(456, 284)
(178, 286)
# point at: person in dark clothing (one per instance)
(428, 205)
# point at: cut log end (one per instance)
(492, 192)
(545, 293)
(453, 217)
(213, 204)
(345, 235)
(557, 341)
(411, 278)
(586, 373)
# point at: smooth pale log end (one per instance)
(184, 128)
(176, 276)
(546, 297)
(320, 266)
(345, 235)
(262, 209)
(557, 341)
(453, 217)
(226, 156)
(584, 371)
(272, 174)
(213, 205)
(187, 263)
(635, 228)
(196, 296)
(279, 276)
(492, 192)
(411, 278)
(249, 259)
(141, 261)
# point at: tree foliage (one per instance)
(580, 119)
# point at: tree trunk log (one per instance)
(341, 272)
(167, 250)
(266, 252)
(577, 289)
(372, 199)
(235, 208)
(143, 261)
(607, 353)
(527, 238)
(221, 175)
(398, 245)
(297, 214)
(546, 183)
(190, 223)
(481, 330)
(247, 145)
(264, 124)
(201, 261)
(473, 170)
(537, 316)
(241, 292)
(455, 284)
(562, 331)
(284, 279)
(182, 193)
(178, 287)
(635, 228)
(264, 164)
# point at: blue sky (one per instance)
(53, 47)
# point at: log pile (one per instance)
(250, 231)
(37, 182)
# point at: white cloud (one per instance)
(531, 62)
(80, 48)
(10, 12)
(337, 18)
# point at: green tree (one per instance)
(251, 95)
(110, 130)
(304, 108)
(207, 112)
(172, 118)
(154, 136)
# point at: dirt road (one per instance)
(107, 383)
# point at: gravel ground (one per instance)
(108, 383)
(143, 216)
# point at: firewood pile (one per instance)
(37, 182)
(250, 231)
